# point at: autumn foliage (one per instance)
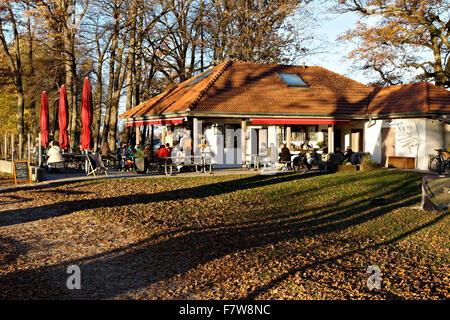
(401, 38)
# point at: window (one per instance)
(200, 78)
(292, 80)
(303, 133)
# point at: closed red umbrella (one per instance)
(44, 119)
(86, 115)
(62, 116)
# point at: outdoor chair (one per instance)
(55, 166)
(95, 164)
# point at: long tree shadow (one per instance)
(42, 187)
(140, 265)
(266, 287)
(23, 215)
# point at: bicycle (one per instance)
(440, 162)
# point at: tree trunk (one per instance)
(20, 106)
(97, 116)
(70, 68)
(131, 70)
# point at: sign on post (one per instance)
(22, 172)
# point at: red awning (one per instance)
(136, 123)
(294, 121)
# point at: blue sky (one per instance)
(332, 26)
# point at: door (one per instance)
(357, 140)
(387, 144)
(231, 144)
(337, 140)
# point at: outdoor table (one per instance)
(77, 159)
(110, 160)
(256, 160)
(199, 162)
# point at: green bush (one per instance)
(140, 154)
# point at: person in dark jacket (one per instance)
(285, 156)
(148, 157)
(148, 153)
(347, 155)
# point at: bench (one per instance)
(401, 162)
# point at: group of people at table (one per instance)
(127, 153)
(307, 156)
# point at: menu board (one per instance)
(22, 172)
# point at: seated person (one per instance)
(54, 154)
(347, 155)
(148, 153)
(169, 148)
(163, 152)
(148, 156)
(311, 157)
(339, 154)
(305, 146)
(285, 156)
(131, 152)
(122, 154)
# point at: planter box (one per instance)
(140, 164)
(346, 168)
(364, 167)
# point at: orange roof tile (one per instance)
(239, 87)
(414, 97)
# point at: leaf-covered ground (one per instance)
(289, 236)
(6, 179)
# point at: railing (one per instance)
(19, 147)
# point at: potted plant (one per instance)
(139, 161)
(321, 145)
(346, 166)
(368, 164)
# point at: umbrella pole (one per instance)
(12, 153)
(40, 151)
(28, 148)
(85, 162)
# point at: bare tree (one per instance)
(13, 56)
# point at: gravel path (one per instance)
(41, 245)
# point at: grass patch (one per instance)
(287, 224)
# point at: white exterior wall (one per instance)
(372, 139)
(447, 135)
(413, 138)
(272, 136)
(435, 137)
(410, 138)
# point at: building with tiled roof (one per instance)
(273, 103)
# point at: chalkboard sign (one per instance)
(22, 172)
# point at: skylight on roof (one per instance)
(200, 78)
(292, 80)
